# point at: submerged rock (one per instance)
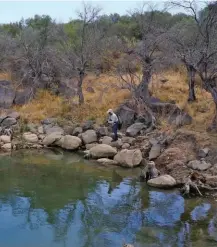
(105, 161)
(129, 158)
(164, 181)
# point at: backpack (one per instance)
(119, 122)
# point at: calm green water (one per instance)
(53, 199)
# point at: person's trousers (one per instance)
(115, 131)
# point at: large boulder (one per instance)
(48, 129)
(6, 147)
(5, 139)
(91, 145)
(127, 115)
(155, 151)
(8, 122)
(102, 151)
(7, 94)
(105, 161)
(88, 125)
(135, 129)
(30, 137)
(106, 140)
(170, 155)
(77, 131)
(52, 138)
(164, 182)
(89, 136)
(102, 131)
(129, 158)
(69, 142)
(200, 165)
(14, 114)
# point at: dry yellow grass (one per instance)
(108, 95)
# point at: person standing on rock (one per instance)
(113, 120)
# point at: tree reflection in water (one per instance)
(75, 204)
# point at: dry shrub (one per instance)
(108, 94)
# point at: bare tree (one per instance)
(147, 50)
(79, 52)
(205, 63)
(182, 43)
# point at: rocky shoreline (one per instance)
(184, 158)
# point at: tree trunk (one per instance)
(213, 90)
(191, 83)
(80, 91)
(142, 91)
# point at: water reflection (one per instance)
(47, 200)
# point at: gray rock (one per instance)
(8, 122)
(6, 147)
(30, 138)
(51, 138)
(14, 114)
(105, 161)
(89, 136)
(127, 139)
(2, 118)
(54, 129)
(106, 140)
(199, 165)
(91, 145)
(164, 182)
(7, 94)
(77, 131)
(125, 146)
(203, 152)
(5, 139)
(135, 129)
(68, 130)
(41, 130)
(88, 125)
(102, 151)
(127, 115)
(102, 131)
(155, 151)
(154, 141)
(49, 121)
(129, 158)
(69, 142)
